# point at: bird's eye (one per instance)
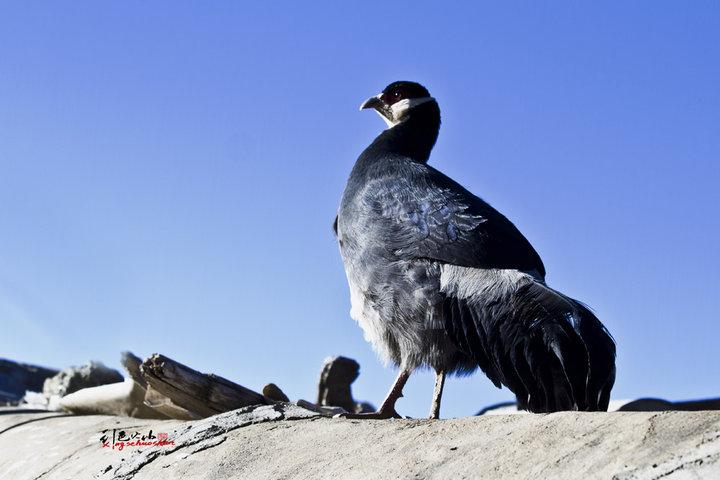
(396, 94)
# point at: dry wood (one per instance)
(334, 386)
(200, 394)
(274, 393)
(162, 404)
(131, 363)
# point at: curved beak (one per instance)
(382, 108)
(373, 102)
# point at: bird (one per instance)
(440, 279)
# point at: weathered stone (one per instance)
(261, 442)
(633, 405)
(72, 379)
(18, 378)
(659, 405)
(207, 433)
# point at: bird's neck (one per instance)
(413, 138)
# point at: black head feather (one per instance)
(402, 90)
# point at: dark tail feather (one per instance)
(548, 349)
(570, 353)
(601, 350)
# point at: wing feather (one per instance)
(422, 213)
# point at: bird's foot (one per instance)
(379, 415)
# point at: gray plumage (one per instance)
(440, 279)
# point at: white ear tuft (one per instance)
(400, 109)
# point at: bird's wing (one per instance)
(422, 213)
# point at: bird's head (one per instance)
(396, 102)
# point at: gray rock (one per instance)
(17, 378)
(631, 405)
(285, 441)
(660, 405)
(72, 379)
(207, 433)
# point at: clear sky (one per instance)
(169, 172)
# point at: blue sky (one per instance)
(169, 173)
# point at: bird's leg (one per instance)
(387, 409)
(437, 395)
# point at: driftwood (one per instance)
(200, 395)
(131, 363)
(161, 387)
(334, 386)
(127, 398)
(160, 403)
(124, 398)
(274, 393)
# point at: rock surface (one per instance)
(647, 404)
(72, 379)
(17, 378)
(286, 441)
